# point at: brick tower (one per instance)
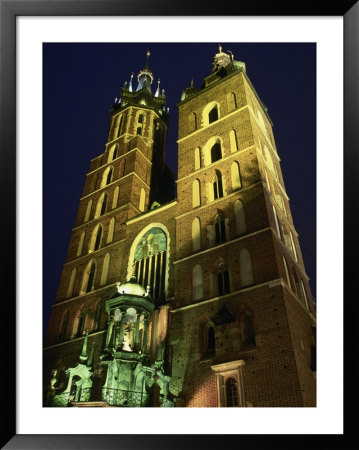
(198, 301)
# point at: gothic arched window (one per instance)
(105, 267)
(196, 193)
(223, 279)
(88, 211)
(192, 122)
(95, 242)
(196, 234)
(88, 278)
(111, 230)
(213, 114)
(235, 176)
(115, 197)
(231, 101)
(216, 152)
(220, 229)
(150, 261)
(217, 185)
(107, 177)
(245, 268)
(197, 158)
(233, 141)
(81, 322)
(119, 129)
(239, 217)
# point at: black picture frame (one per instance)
(9, 10)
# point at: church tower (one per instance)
(198, 301)
(243, 321)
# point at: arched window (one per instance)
(122, 168)
(139, 125)
(95, 241)
(197, 158)
(287, 273)
(239, 217)
(216, 152)
(196, 193)
(115, 197)
(196, 234)
(210, 113)
(231, 101)
(111, 230)
(101, 205)
(220, 229)
(119, 128)
(233, 141)
(245, 268)
(235, 176)
(107, 177)
(142, 200)
(88, 210)
(81, 322)
(197, 283)
(64, 325)
(88, 278)
(223, 279)
(192, 122)
(105, 267)
(72, 283)
(217, 185)
(150, 261)
(112, 154)
(97, 316)
(212, 151)
(232, 399)
(213, 114)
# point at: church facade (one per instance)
(196, 301)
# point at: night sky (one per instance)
(81, 81)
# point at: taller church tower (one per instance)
(198, 301)
(242, 324)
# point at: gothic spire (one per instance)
(145, 76)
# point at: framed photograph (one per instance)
(53, 85)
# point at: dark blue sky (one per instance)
(81, 81)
